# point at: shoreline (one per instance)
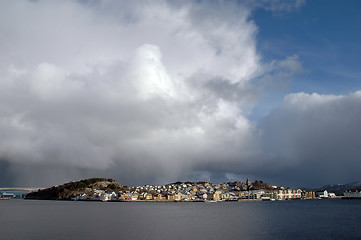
(187, 201)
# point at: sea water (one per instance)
(297, 219)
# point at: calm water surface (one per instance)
(299, 219)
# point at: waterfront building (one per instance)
(288, 194)
(170, 197)
(11, 194)
(148, 196)
(82, 197)
(217, 196)
(331, 195)
(322, 194)
(225, 195)
(256, 194)
(160, 197)
(8, 195)
(352, 193)
(204, 196)
(309, 195)
(178, 197)
(134, 196)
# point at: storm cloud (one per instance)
(154, 92)
(313, 136)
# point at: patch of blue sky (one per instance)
(325, 35)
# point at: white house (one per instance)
(322, 194)
(204, 196)
(331, 195)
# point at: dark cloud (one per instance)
(314, 138)
(150, 93)
(6, 178)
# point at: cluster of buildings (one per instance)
(200, 191)
(197, 191)
(352, 194)
(7, 194)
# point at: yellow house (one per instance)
(216, 196)
(178, 197)
(148, 196)
(170, 197)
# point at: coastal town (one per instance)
(100, 189)
(206, 192)
(199, 192)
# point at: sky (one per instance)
(155, 92)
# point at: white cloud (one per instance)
(98, 85)
(279, 73)
(150, 75)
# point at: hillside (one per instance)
(72, 189)
(339, 189)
